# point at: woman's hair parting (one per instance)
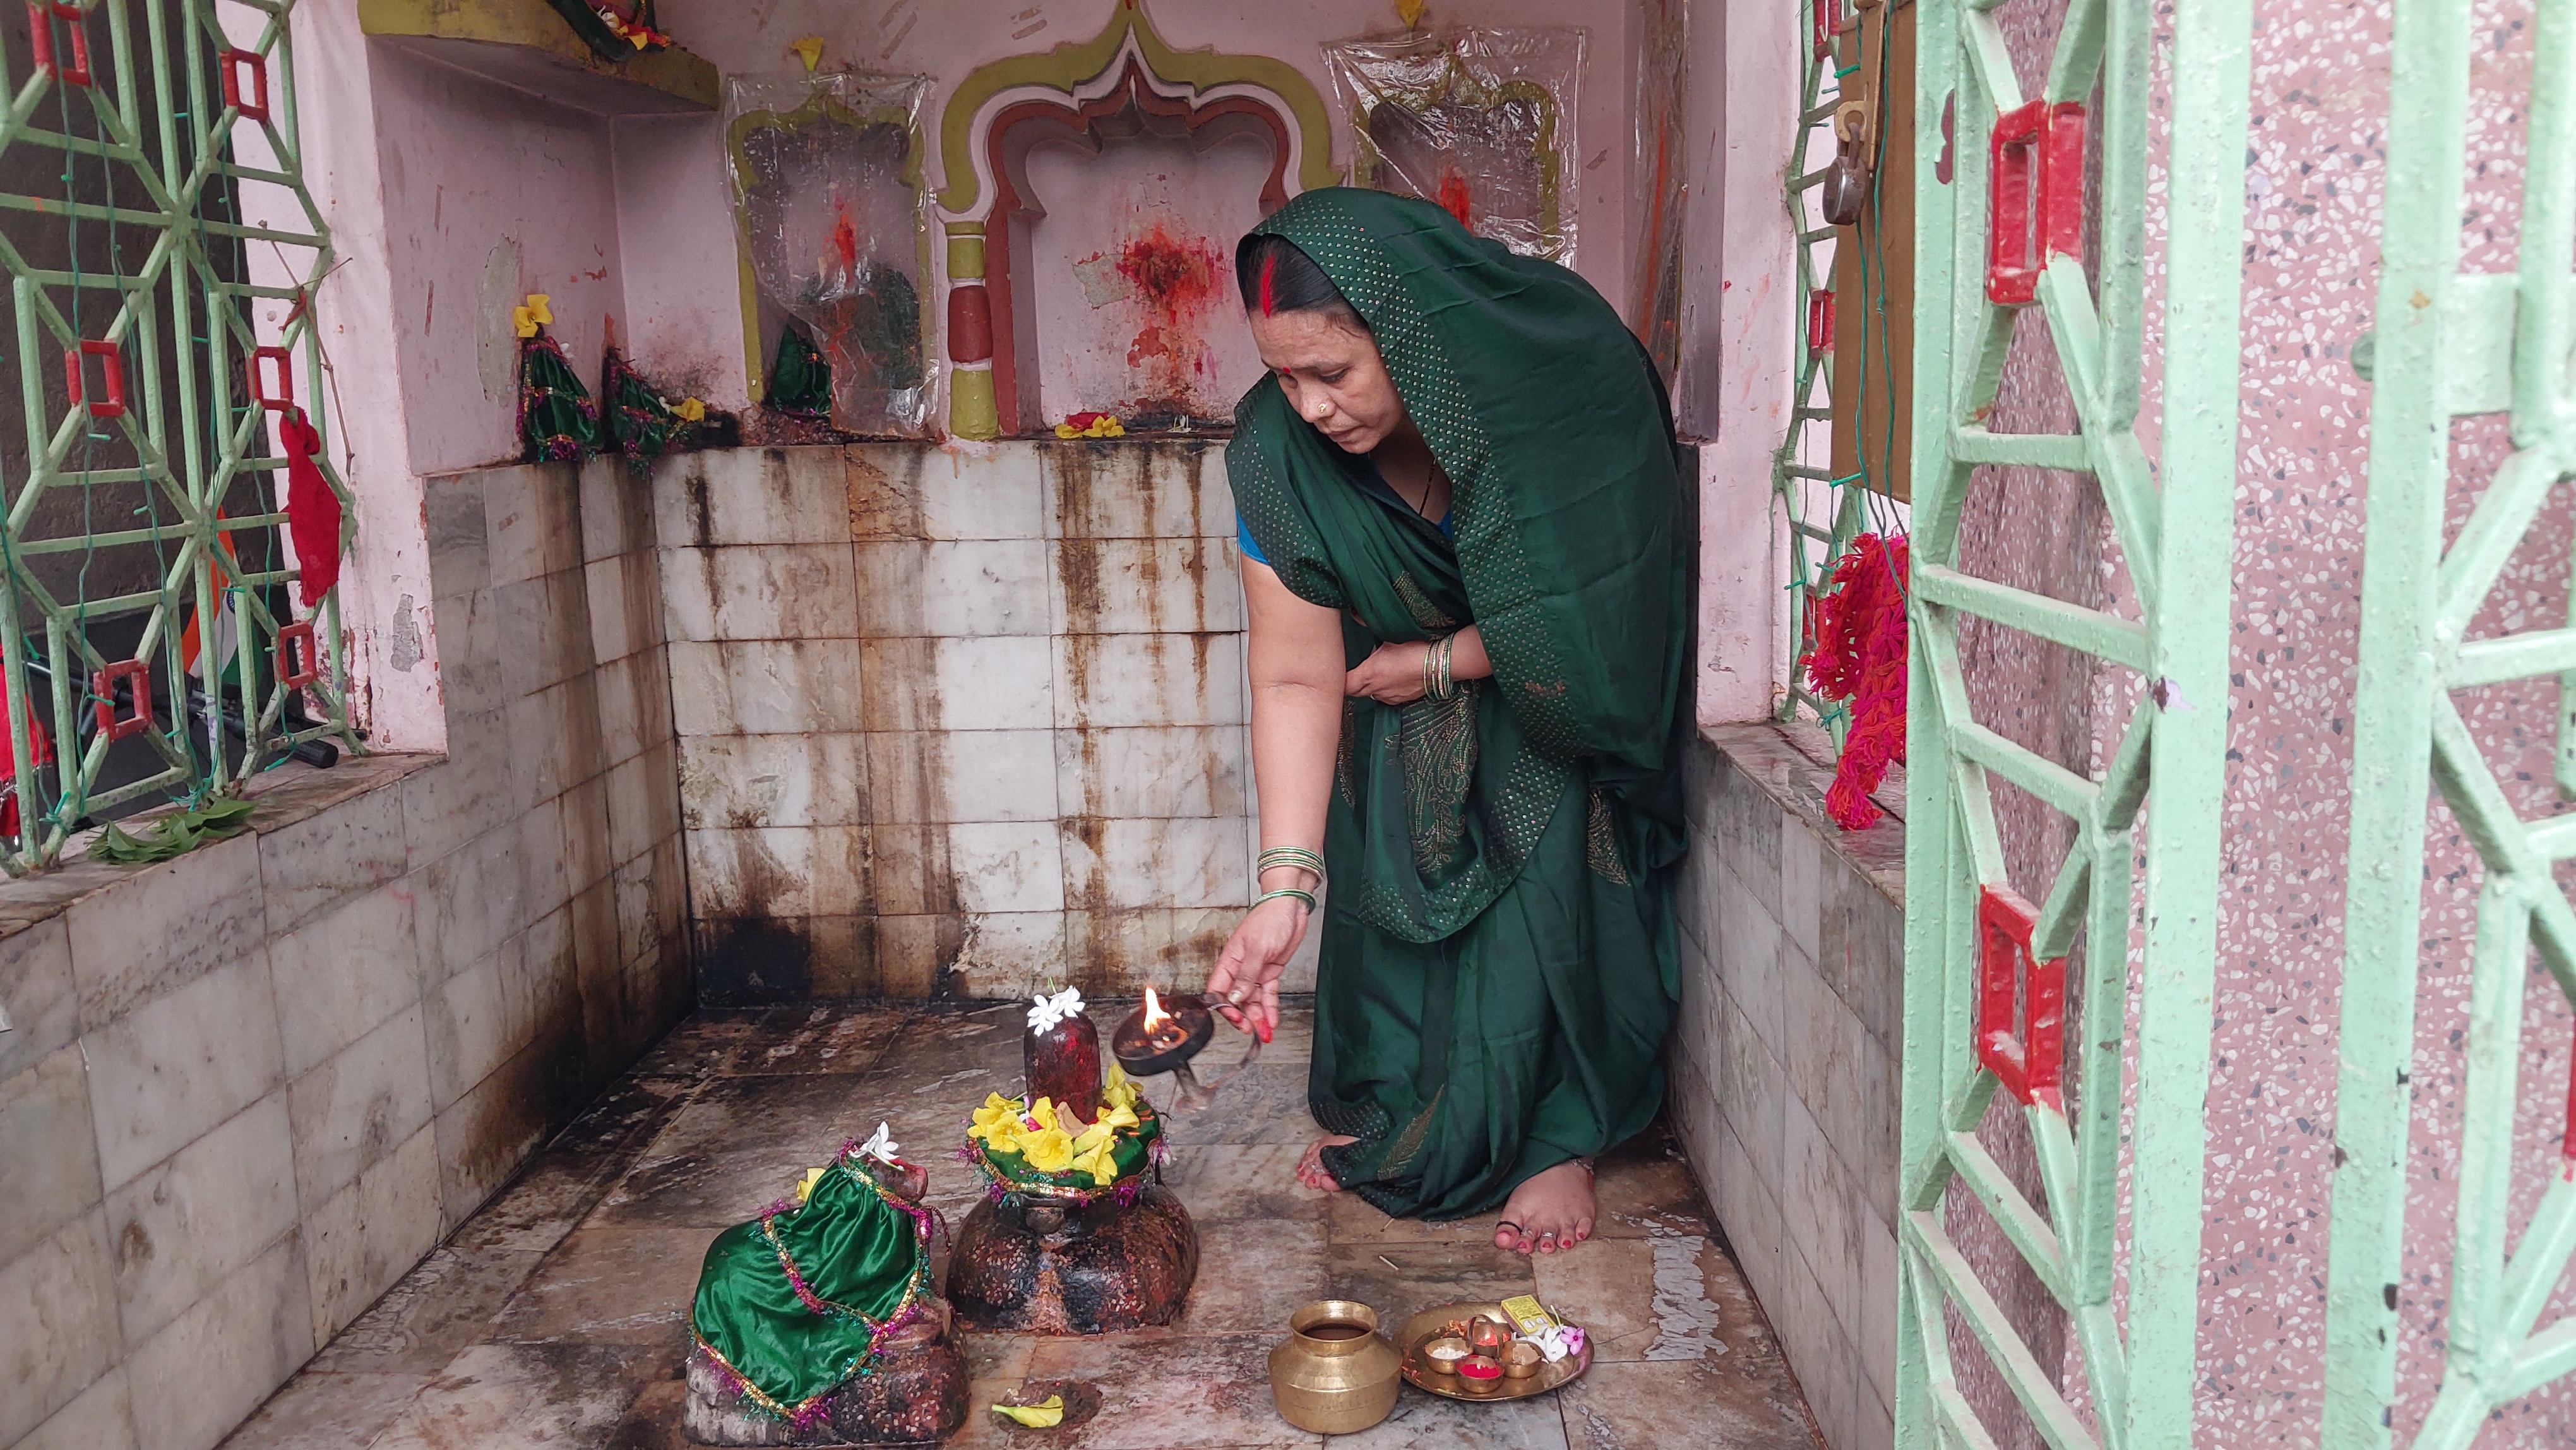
(1275, 277)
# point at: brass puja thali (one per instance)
(1420, 1330)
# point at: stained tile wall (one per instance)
(957, 721)
(246, 1090)
(1784, 1066)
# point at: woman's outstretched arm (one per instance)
(1294, 658)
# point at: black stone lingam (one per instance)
(1038, 1263)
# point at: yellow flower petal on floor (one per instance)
(1043, 1416)
(1048, 1150)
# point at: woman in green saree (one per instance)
(1463, 530)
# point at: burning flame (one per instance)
(1155, 1016)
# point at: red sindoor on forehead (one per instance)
(1269, 269)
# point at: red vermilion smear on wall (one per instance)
(1453, 198)
(1176, 280)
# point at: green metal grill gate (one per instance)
(1979, 960)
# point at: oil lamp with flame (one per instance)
(1163, 1035)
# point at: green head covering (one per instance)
(1570, 522)
(793, 1302)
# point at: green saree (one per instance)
(1497, 970)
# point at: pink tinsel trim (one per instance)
(1860, 657)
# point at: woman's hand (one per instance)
(1245, 984)
(1392, 674)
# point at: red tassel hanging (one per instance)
(1859, 658)
(312, 509)
(40, 753)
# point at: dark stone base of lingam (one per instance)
(915, 1394)
(1042, 1268)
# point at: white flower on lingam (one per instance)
(1051, 1010)
(880, 1144)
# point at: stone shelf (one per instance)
(524, 44)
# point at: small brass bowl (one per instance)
(1441, 1355)
(1522, 1360)
(1480, 1374)
(1488, 1335)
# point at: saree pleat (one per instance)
(1497, 967)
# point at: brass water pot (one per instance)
(1327, 1379)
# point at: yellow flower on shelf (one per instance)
(690, 410)
(1048, 1150)
(1100, 1160)
(534, 313)
(805, 1185)
(809, 49)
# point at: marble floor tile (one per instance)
(1230, 1183)
(1401, 1280)
(1355, 1220)
(821, 1038)
(1646, 1182)
(611, 1285)
(1661, 1403)
(1209, 1391)
(1253, 1275)
(1429, 1422)
(327, 1412)
(446, 1303)
(704, 1045)
(738, 1147)
(570, 1175)
(521, 1397)
(1265, 1106)
(655, 1421)
(1642, 1299)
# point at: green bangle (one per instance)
(1297, 893)
(1297, 856)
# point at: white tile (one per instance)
(449, 804)
(345, 972)
(161, 926)
(470, 1025)
(760, 591)
(1004, 682)
(162, 1075)
(50, 1149)
(644, 798)
(350, 1111)
(1828, 1203)
(368, 1235)
(216, 1362)
(905, 491)
(1159, 490)
(356, 845)
(532, 512)
(616, 510)
(772, 780)
(961, 775)
(547, 877)
(779, 871)
(625, 605)
(1181, 862)
(752, 496)
(952, 589)
(545, 632)
(465, 641)
(102, 1418)
(1007, 866)
(584, 810)
(1801, 872)
(1115, 680)
(459, 537)
(36, 989)
(1749, 962)
(1145, 586)
(468, 902)
(1007, 953)
(1878, 1311)
(1753, 1095)
(58, 1329)
(485, 1135)
(192, 1220)
(1152, 771)
(765, 687)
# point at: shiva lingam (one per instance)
(816, 1323)
(1163, 1035)
(1077, 1234)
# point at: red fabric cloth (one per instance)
(41, 754)
(312, 510)
(1859, 658)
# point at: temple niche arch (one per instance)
(1094, 194)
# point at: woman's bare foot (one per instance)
(1310, 1169)
(1551, 1210)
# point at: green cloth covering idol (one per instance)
(1498, 968)
(800, 379)
(794, 1302)
(557, 420)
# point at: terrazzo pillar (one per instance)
(971, 408)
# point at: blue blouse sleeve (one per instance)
(1243, 541)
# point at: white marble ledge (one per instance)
(1781, 766)
(291, 794)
